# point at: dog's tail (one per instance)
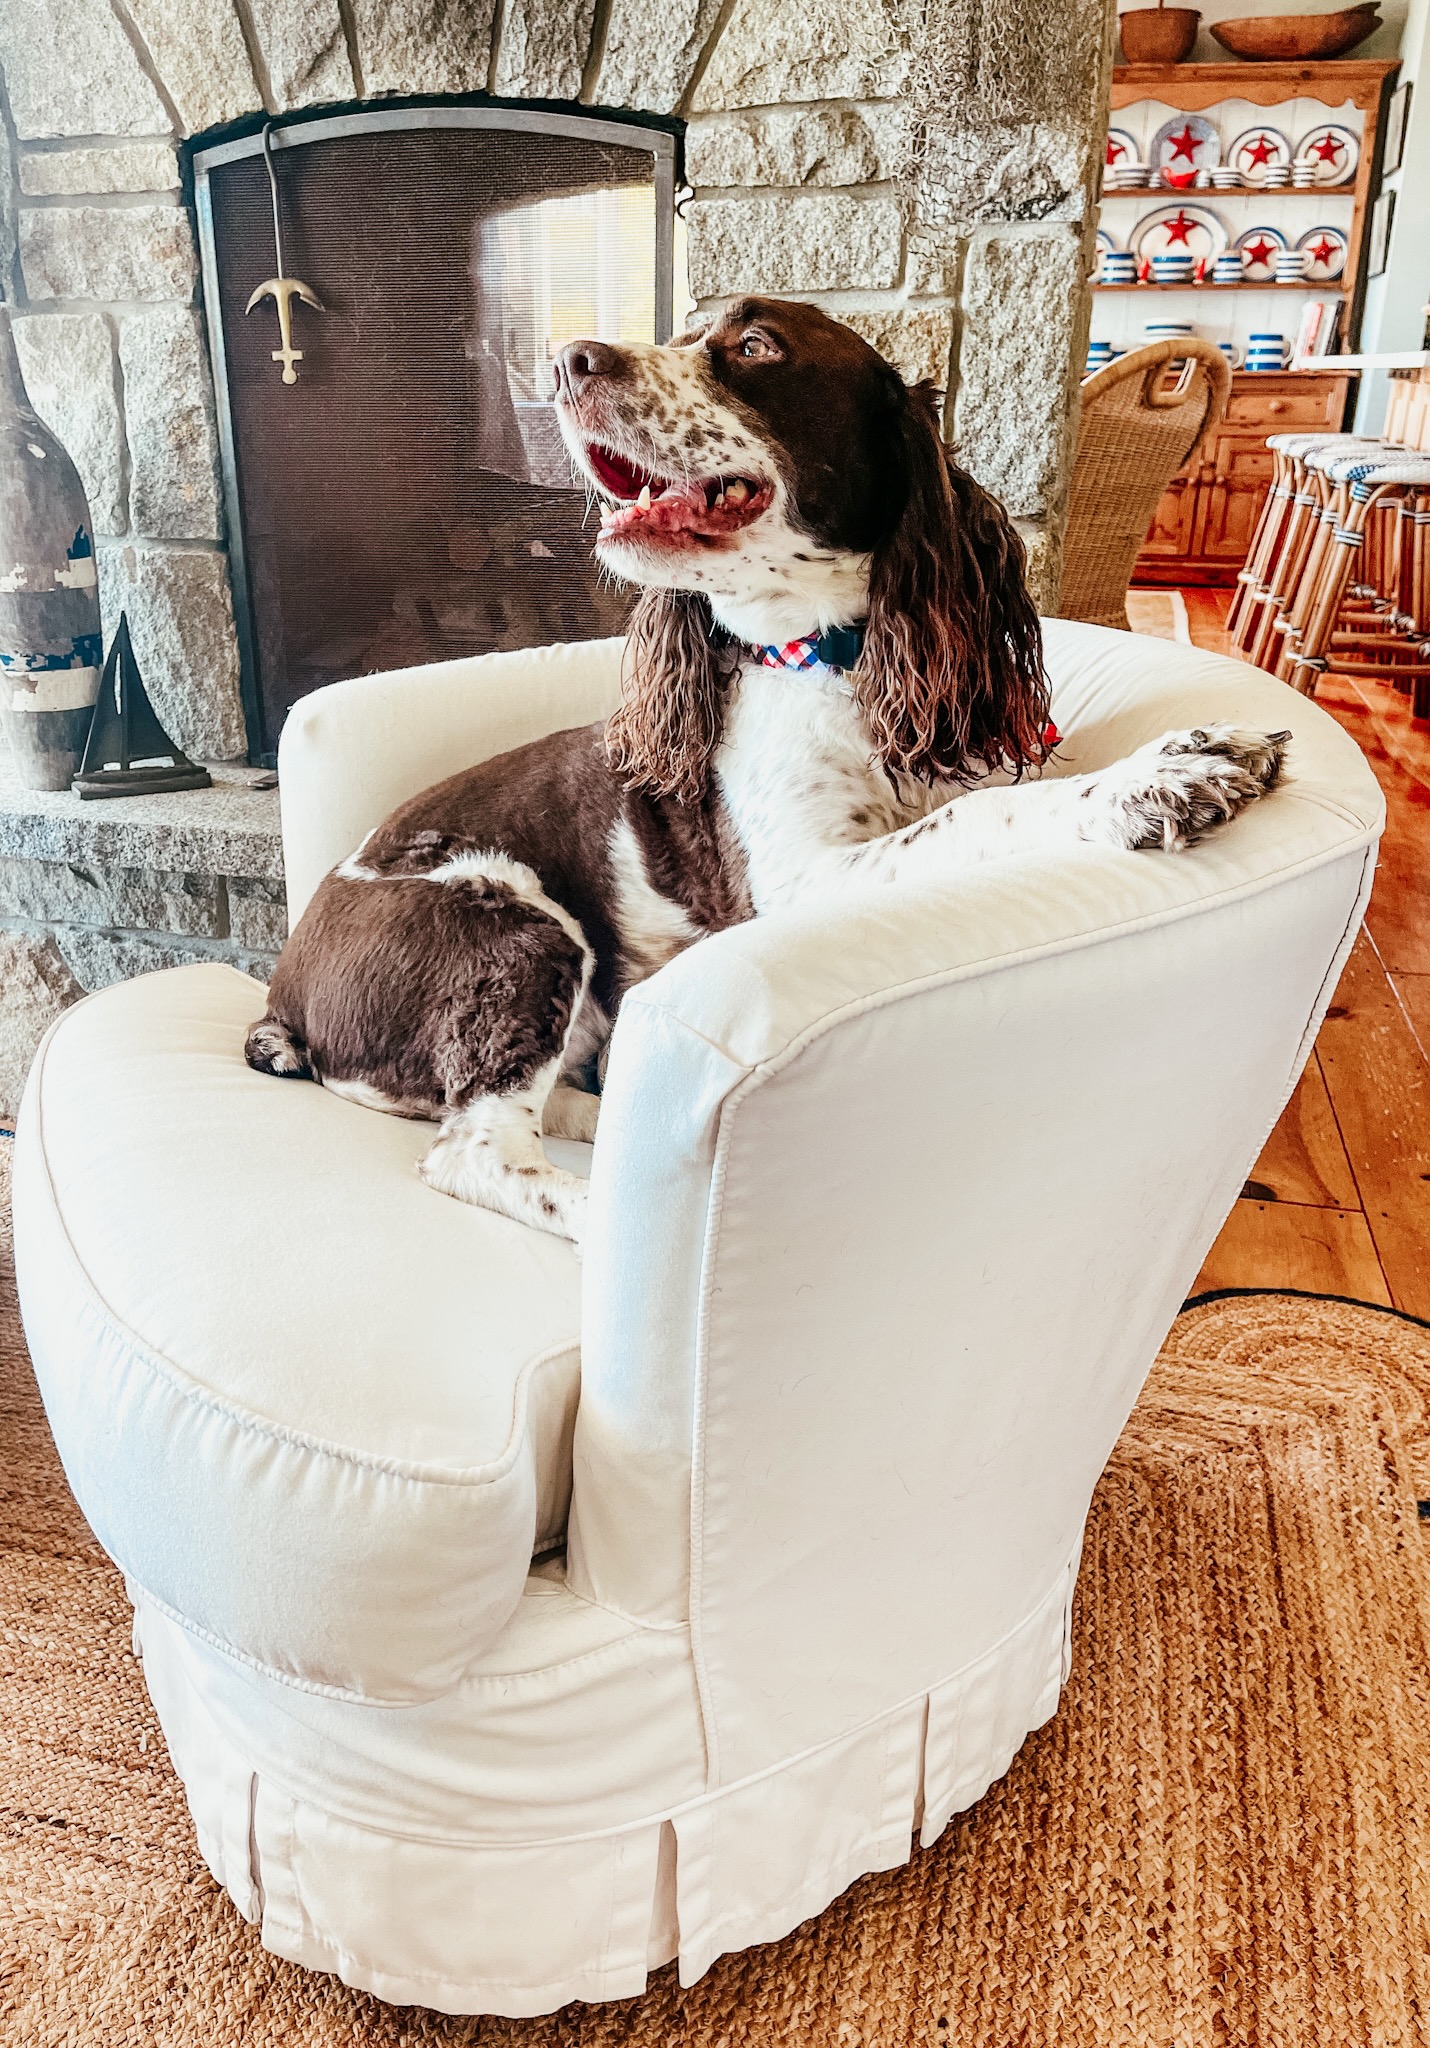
(273, 1048)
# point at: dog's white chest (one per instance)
(799, 778)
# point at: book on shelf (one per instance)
(1317, 332)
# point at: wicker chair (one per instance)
(1137, 431)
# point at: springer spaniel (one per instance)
(834, 675)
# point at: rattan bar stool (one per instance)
(1382, 634)
(1285, 536)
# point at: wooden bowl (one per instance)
(1287, 37)
(1158, 35)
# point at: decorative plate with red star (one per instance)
(1121, 150)
(1324, 250)
(1258, 249)
(1179, 230)
(1333, 150)
(1253, 154)
(1188, 142)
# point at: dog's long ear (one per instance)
(677, 672)
(951, 676)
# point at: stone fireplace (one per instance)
(925, 169)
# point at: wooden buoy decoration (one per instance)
(50, 646)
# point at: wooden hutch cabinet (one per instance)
(1202, 528)
(1204, 523)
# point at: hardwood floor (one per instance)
(1339, 1201)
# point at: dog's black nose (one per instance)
(580, 361)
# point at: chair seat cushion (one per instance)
(318, 1412)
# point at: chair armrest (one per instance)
(352, 752)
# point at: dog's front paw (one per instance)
(1172, 792)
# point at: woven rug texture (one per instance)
(1222, 1838)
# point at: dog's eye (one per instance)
(758, 347)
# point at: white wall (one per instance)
(1395, 302)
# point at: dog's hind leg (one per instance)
(489, 1152)
(499, 1053)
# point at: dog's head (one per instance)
(772, 475)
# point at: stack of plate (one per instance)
(1227, 268)
(1172, 267)
(1118, 266)
(1131, 177)
(1225, 177)
(1290, 266)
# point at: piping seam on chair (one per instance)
(948, 977)
(318, 1688)
(193, 1393)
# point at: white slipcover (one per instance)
(892, 1203)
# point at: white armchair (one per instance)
(517, 1624)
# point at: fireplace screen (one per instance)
(405, 497)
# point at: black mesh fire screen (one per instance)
(405, 497)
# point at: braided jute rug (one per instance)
(1223, 1837)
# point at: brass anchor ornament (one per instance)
(282, 290)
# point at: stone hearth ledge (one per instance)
(91, 893)
(231, 829)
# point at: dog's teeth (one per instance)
(737, 492)
(644, 499)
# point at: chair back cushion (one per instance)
(354, 751)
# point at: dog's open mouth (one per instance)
(660, 508)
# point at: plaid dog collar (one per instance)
(838, 649)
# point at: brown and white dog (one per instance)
(767, 478)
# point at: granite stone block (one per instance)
(68, 364)
(826, 241)
(918, 341)
(181, 619)
(543, 48)
(1024, 332)
(199, 51)
(169, 414)
(103, 252)
(305, 49)
(36, 984)
(423, 45)
(97, 959)
(73, 892)
(972, 173)
(257, 914)
(71, 70)
(117, 167)
(775, 51)
(839, 145)
(1045, 563)
(651, 52)
(9, 197)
